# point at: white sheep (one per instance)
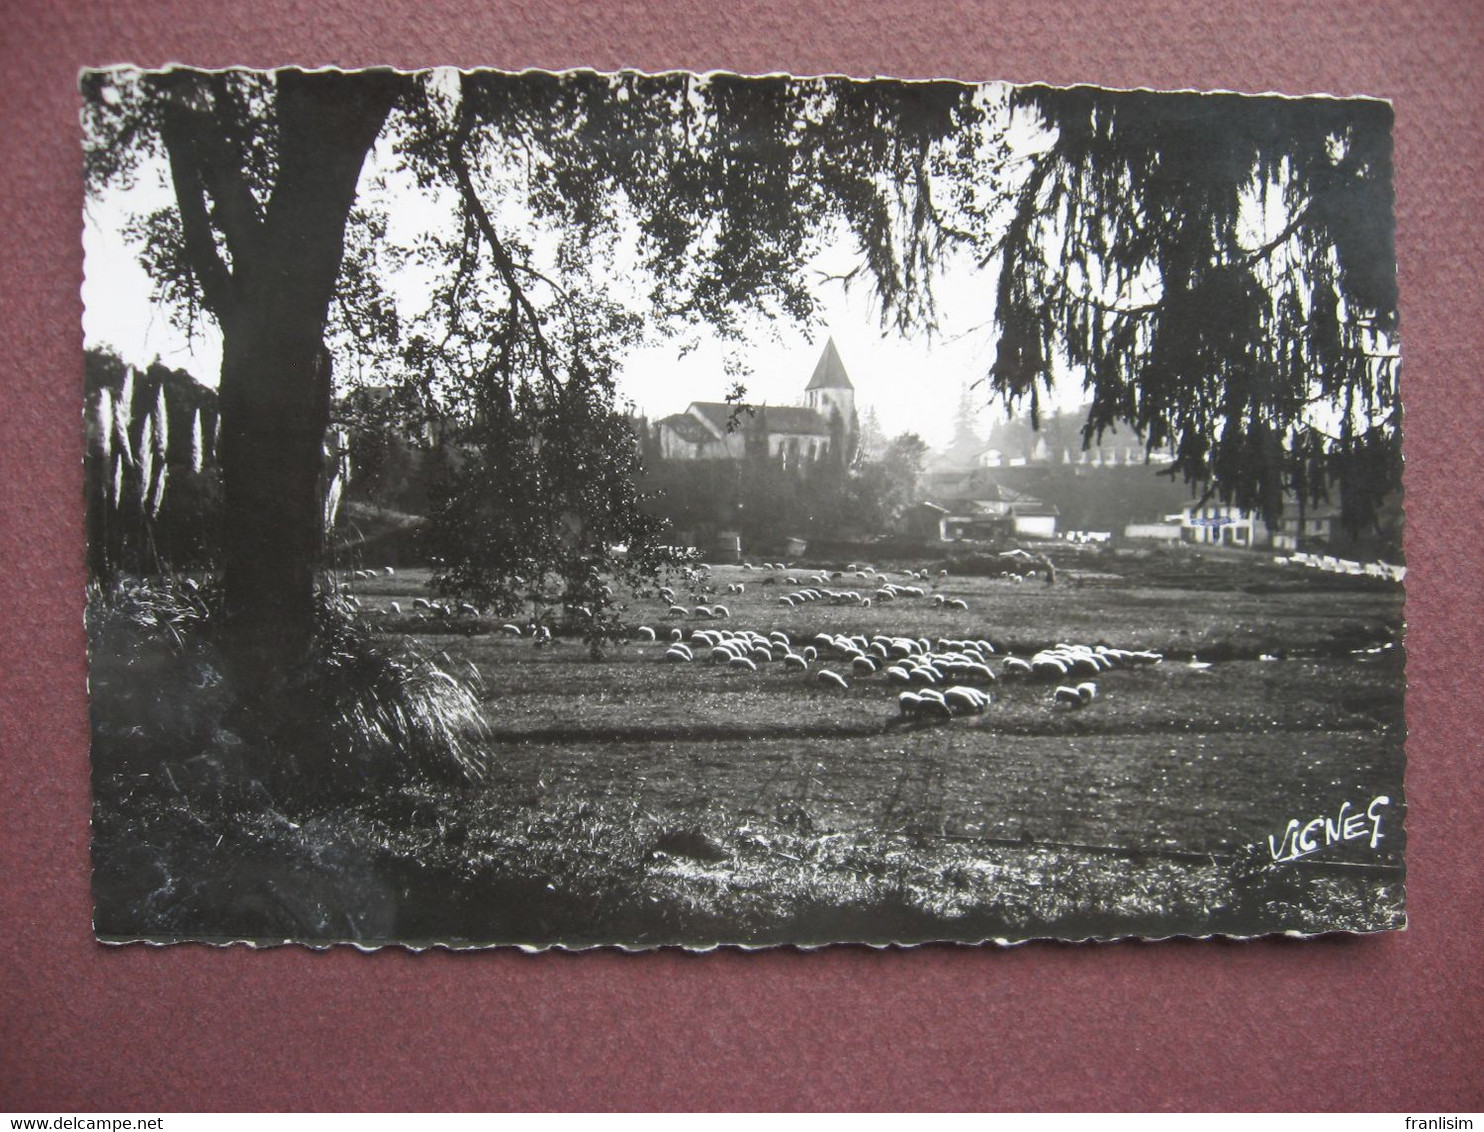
(646, 633)
(1072, 697)
(966, 701)
(742, 662)
(825, 676)
(510, 629)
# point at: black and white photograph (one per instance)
(579, 509)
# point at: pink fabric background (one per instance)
(1388, 1023)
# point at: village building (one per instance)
(972, 506)
(1058, 440)
(795, 435)
(1222, 524)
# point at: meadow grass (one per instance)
(630, 801)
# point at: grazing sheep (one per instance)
(703, 611)
(677, 635)
(1072, 697)
(512, 630)
(965, 701)
(720, 611)
(1048, 667)
(959, 604)
(678, 611)
(979, 672)
(388, 571)
(825, 676)
(677, 654)
(1016, 668)
(394, 607)
(467, 608)
(810, 652)
(933, 705)
(1088, 691)
(742, 662)
(721, 654)
(646, 633)
(909, 704)
(863, 666)
(667, 593)
(421, 603)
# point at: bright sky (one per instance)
(914, 384)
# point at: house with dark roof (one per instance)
(796, 435)
(975, 505)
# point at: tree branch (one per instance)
(176, 130)
(221, 172)
(504, 264)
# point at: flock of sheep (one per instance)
(939, 679)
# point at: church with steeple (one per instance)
(795, 435)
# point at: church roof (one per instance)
(687, 428)
(775, 419)
(830, 372)
(792, 420)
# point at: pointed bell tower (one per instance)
(829, 391)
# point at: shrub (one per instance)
(352, 714)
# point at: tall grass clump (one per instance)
(349, 715)
(359, 711)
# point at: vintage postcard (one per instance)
(635, 510)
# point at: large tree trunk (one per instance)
(275, 381)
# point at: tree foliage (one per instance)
(1221, 271)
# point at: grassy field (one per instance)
(635, 801)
